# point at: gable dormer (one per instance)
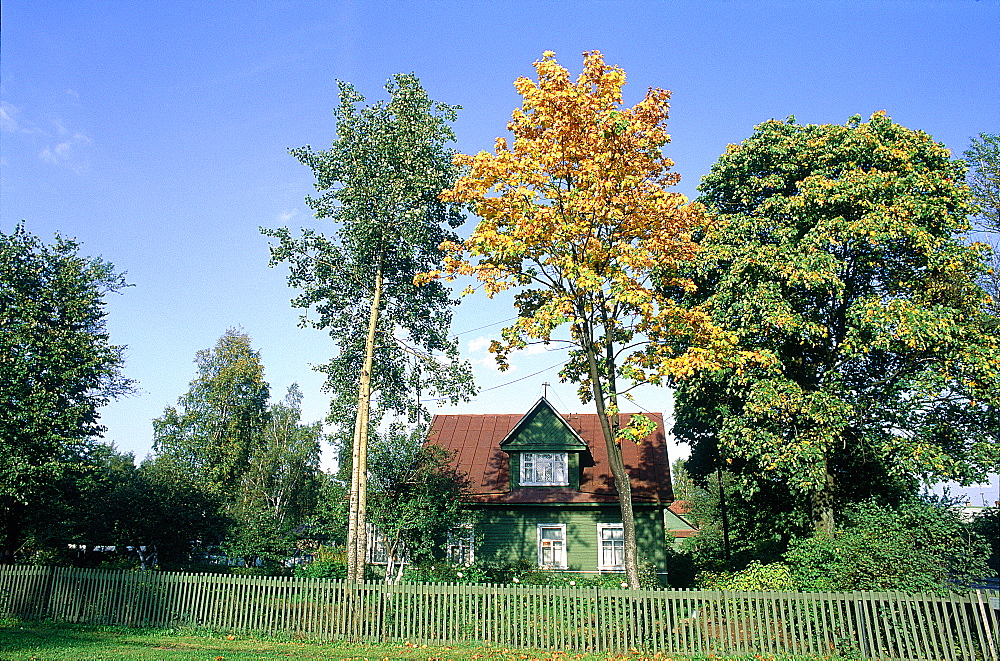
(544, 450)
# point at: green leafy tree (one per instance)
(984, 178)
(839, 254)
(987, 524)
(57, 368)
(218, 425)
(379, 185)
(150, 514)
(280, 488)
(417, 497)
(983, 156)
(260, 463)
(172, 512)
(737, 526)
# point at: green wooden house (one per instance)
(546, 493)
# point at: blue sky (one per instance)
(157, 134)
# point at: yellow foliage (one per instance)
(577, 209)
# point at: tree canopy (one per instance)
(258, 462)
(839, 252)
(219, 425)
(57, 368)
(417, 498)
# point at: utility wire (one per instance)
(472, 330)
(527, 376)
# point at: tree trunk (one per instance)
(622, 483)
(723, 510)
(358, 540)
(821, 502)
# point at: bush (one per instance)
(523, 573)
(921, 546)
(987, 524)
(330, 563)
(260, 571)
(776, 577)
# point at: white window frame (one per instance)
(461, 544)
(601, 527)
(529, 477)
(541, 551)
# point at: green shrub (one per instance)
(261, 571)
(774, 577)
(987, 525)
(444, 572)
(330, 563)
(522, 573)
(920, 546)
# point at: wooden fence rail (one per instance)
(959, 627)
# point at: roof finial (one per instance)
(545, 389)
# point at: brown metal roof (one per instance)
(475, 442)
(680, 507)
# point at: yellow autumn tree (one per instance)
(576, 216)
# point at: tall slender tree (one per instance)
(281, 486)
(379, 185)
(577, 216)
(840, 253)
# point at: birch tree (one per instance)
(378, 184)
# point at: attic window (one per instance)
(548, 469)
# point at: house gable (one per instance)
(543, 432)
(542, 429)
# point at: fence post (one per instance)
(988, 629)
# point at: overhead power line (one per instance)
(495, 323)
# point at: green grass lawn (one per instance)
(42, 641)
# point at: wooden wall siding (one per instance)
(511, 534)
(543, 431)
(960, 627)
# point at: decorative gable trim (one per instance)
(576, 441)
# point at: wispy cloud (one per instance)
(285, 216)
(62, 146)
(478, 346)
(8, 117)
(536, 348)
(64, 152)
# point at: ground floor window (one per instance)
(552, 545)
(462, 545)
(611, 540)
